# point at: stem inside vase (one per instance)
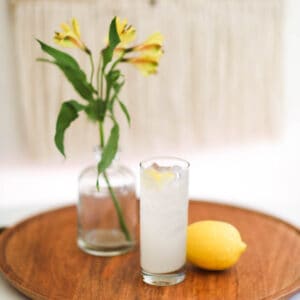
(114, 198)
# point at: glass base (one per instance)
(104, 243)
(164, 279)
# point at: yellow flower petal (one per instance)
(70, 37)
(65, 27)
(127, 33)
(153, 50)
(147, 65)
(76, 28)
(152, 46)
(63, 42)
(120, 25)
(155, 38)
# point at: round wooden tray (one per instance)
(40, 258)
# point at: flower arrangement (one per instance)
(100, 92)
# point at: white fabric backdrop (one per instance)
(219, 82)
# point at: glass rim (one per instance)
(165, 157)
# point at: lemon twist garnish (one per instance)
(159, 177)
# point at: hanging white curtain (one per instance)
(219, 81)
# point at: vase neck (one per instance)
(98, 153)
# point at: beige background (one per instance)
(219, 83)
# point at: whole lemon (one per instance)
(214, 245)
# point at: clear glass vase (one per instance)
(107, 218)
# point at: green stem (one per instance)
(122, 222)
(101, 132)
(118, 209)
(117, 61)
(92, 67)
(99, 72)
(108, 85)
(101, 84)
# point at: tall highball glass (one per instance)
(163, 219)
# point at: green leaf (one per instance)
(96, 110)
(110, 106)
(112, 78)
(59, 56)
(45, 60)
(117, 86)
(109, 150)
(113, 75)
(68, 113)
(114, 40)
(111, 102)
(125, 111)
(71, 69)
(107, 56)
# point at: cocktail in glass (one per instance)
(163, 219)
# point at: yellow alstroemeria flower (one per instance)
(70, 36)
(146, 64)
(150, 53)
(152, 46)
(126, 32)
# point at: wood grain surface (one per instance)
(40, 258)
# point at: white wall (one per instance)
(9, 137)
(242, 109)
(292, 68)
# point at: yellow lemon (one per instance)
(214, 245)
(159, 177)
